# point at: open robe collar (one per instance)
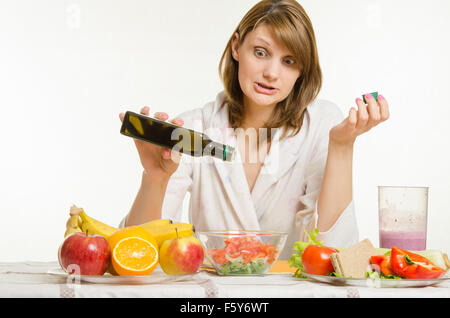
(282, 155)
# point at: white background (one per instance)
(67, 68)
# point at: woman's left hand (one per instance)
(361, 120)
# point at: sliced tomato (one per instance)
(271, 252)
(248, 248)
(218, 255)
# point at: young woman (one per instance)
(302, 177)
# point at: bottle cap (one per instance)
(219, 151)
(229, 153)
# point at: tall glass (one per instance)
(402, 213)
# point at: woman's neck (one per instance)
(255, 116)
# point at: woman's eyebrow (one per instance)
(268, 44)
(262, 40)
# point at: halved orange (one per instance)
(134, 251)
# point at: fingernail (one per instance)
(359, 100)
(163, 115)
(180, 121)
(368, 96)
(380, 97)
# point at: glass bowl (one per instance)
(242, 252)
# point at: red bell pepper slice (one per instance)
(383, 262)
(413, 266)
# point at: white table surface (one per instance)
(31, 279)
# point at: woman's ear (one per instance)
(235, 46)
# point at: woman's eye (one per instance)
(289, 61)
(260, 53)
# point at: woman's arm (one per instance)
(148, 203)
(159, 164)
(336, 191)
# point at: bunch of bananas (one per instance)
(161, 229)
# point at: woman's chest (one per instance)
(252, 156)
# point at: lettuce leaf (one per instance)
(376, 275)
(334, 274)
(296, 259)
(256, 266)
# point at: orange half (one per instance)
(134, 256)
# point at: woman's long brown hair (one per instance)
(294, 29)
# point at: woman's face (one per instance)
(267, 70)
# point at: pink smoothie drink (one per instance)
(413, 241)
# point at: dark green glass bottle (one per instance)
(167, 135)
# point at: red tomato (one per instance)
(316, 259)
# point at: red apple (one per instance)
(91, 252)
(182, 255)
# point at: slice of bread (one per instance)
(354, 262)
(447, 261)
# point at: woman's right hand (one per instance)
(159, 163)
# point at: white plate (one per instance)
(383, 283)
(156, 277)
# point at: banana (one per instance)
(80, 222)
(161, 229)
(72, 222)
(171, 231)
(156, 223)
(94, 226)
(74, 210)
(72, 225)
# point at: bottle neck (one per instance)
(219, 151)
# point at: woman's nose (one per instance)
(272, 70)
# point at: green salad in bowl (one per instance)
(242, 252)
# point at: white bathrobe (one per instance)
(284, 197)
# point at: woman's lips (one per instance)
(264, 90)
